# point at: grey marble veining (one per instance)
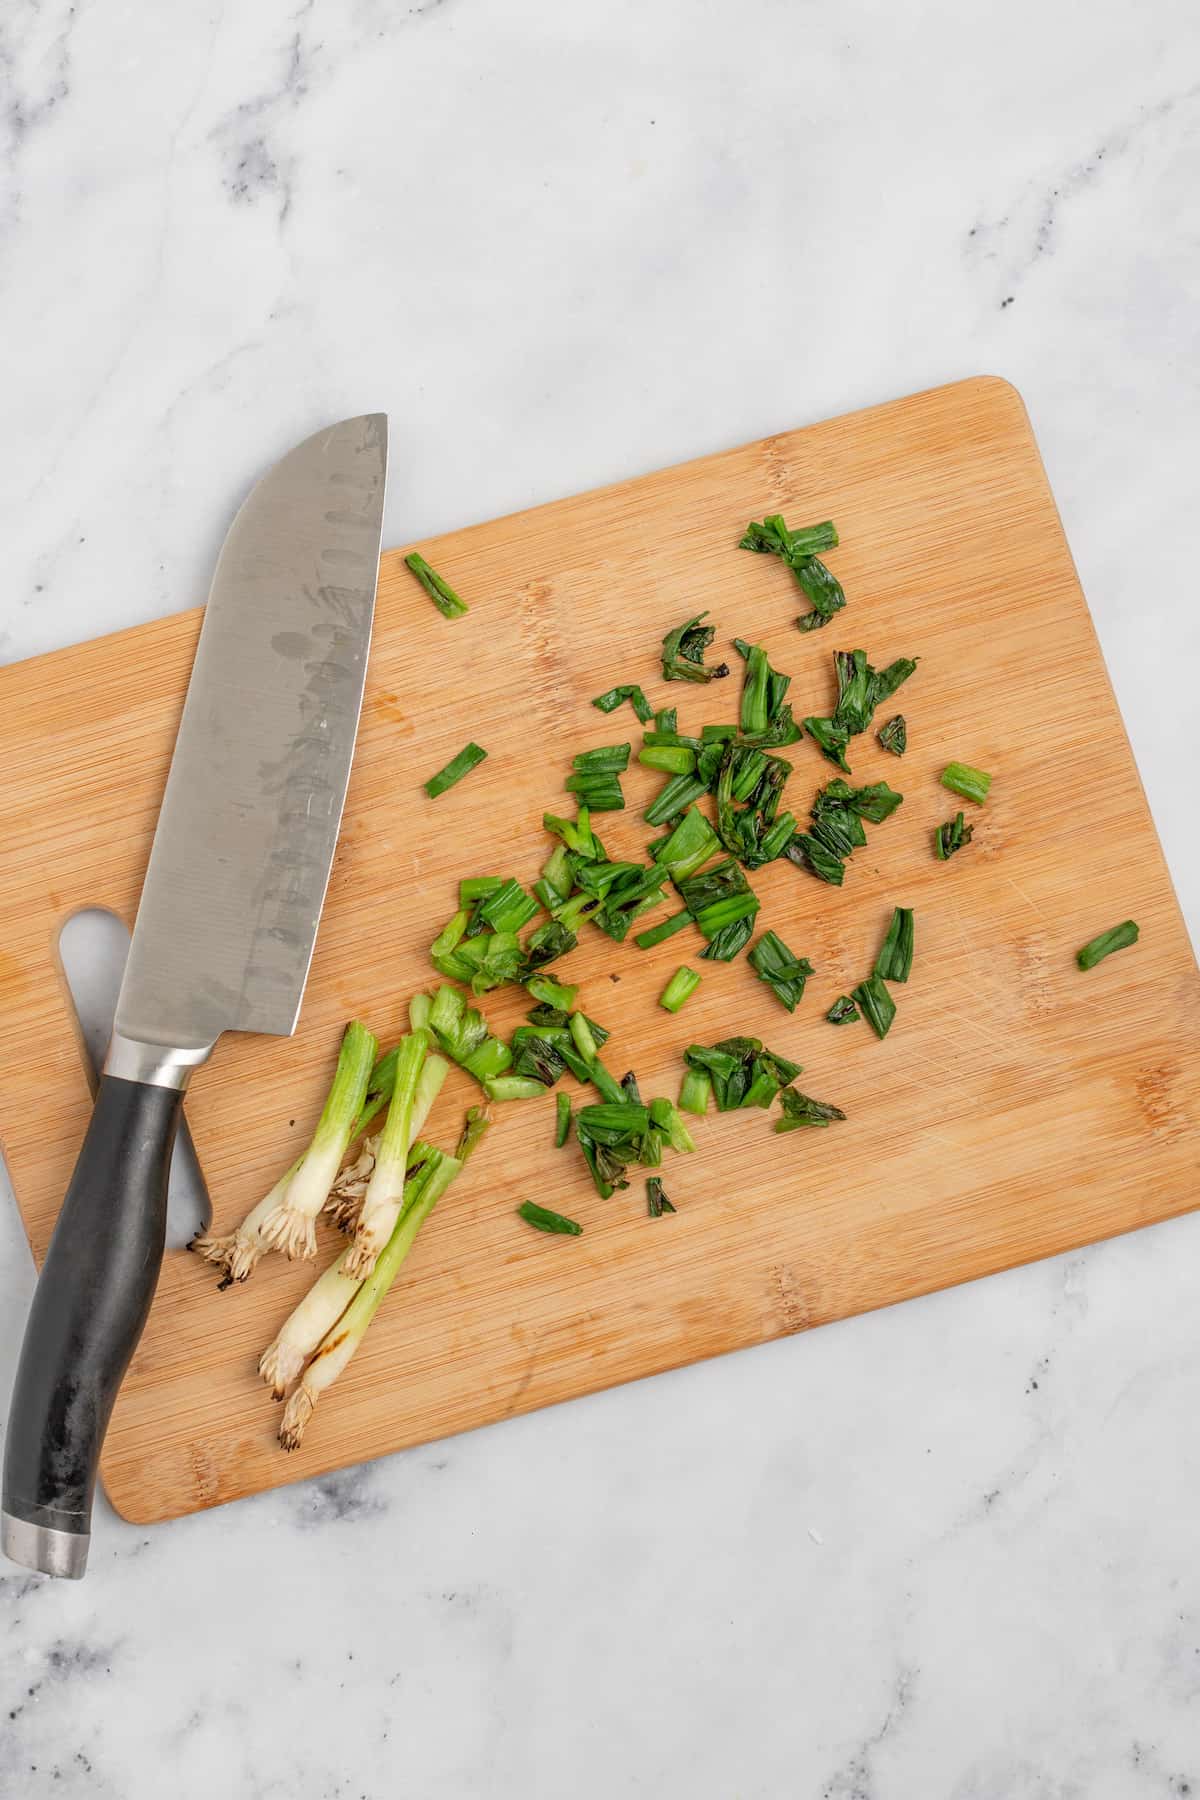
(946, 1550)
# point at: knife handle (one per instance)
(89, 1307)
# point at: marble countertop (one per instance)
(946, 1550)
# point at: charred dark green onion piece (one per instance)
(951, 837)
(842, 1011)
(895, 958)
(783, 972)
(894, 735)
(801, 1109)
(878, 1007)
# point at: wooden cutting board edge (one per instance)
(1048, 1240)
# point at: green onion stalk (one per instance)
(385, 1190)
(341, 1339)
(344, 1206)
(329, 1296)
(291, 1225)
(237, 1252)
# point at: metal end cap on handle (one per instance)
(42, 1547)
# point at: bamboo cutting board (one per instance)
(1018, 1107)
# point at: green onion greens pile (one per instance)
(723, 812)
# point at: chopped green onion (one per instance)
(599, 793)
(695, 1091)
(508, 908)
(679, 989)
(772, 537)
(658, 934)
(544, 1220)
(1119, 938)
(895, 958)
(419, 1008)
(842, 1011)
(951, 837)
(656, 1201)
(467, 759)
(478, 887)
(439, 591)
(799, 1110)
(683, 652)
(831, 739)
(679, 793)
(607, 759)
(822, 588)
(878, 1007)
(610, 701)
(562, 1119)
(688, 847)
(972, 784)
(551, 993)
(894, 735)
(671, 759)
(784, 973)
(513, 1087)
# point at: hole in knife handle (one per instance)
(92, 946)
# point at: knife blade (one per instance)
(224, 937)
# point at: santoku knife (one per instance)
(223, 940)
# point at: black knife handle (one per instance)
(89, 1307)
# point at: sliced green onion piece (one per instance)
(695, 1091)
(657, 934)
(513, 1087)
(972, 784)
(542, 1219)
(878, 1007)
(679, 989)
(842, 1011)
(671, 759)
(610, 701)
(562, 1120)
(551, 993)
(656, 1201)
(1119, 938)
(895, 958)
(468, 758)
(439, 591)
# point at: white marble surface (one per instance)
(949, 1550)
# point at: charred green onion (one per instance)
(610, 701)
(800, 1110)
(951, 837)
(683, 652)
(894, 735)
(542, 1219)
(784, 973)
(656, 1201)
(877, 1005)
(895, 958)
(842, 1011)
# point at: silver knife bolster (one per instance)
(155, 1065)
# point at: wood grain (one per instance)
(1017, 1109)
